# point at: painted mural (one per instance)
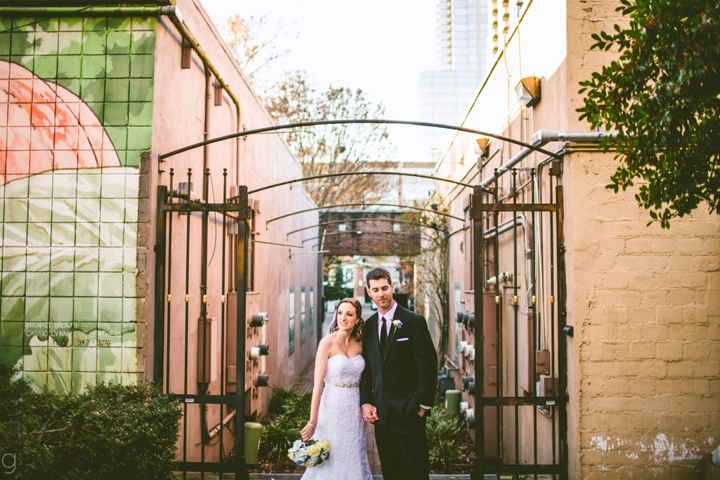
(75, 113)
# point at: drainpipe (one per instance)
(542, 137)
(175, 16)
(171, 11)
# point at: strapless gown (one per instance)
(340, 423)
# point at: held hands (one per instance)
(307, 432)
(369, 413)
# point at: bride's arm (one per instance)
(321, 359)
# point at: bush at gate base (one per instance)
(112, 432)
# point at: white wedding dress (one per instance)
(340, 423)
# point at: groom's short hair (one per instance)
(377, 273)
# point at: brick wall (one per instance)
(646, 306)
(377, 237)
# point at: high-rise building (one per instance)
(462, 49)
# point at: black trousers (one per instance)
(403, 451)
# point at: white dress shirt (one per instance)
(388, 319)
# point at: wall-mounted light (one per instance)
(483, 147)
(528, 91)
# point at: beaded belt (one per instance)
(348, 384)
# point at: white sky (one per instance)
(380, 46)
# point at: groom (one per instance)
(397, 387)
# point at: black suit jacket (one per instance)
(404, 378)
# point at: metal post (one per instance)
(478, 472)
(562, 344)
(242, 212)
(159, 339)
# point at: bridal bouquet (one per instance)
(310, 454)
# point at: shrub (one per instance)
(110, 432)
(446, 434)
(288, 413)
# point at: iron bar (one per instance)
(521, 207)
(223, 318)
(524, 401)
(169, 281)
(201, 207)
(516, 386)
(347, 174)
(361, 205)
(562, 319)
(365, 233)
(553, 318)
(478, 472)
(275, 128)
(205, 398)
(160, 252)
(281, 244)
(187, 316)
(242, 208)
(334, 222)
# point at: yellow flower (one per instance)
(324, 445)
(313, 450)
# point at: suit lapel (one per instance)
(392, 335)
(372, 330)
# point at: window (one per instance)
(302, 315)
(312, 309)
(396, 227)
(342, 227)
(291, 321)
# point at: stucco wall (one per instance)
(644, 363)
(179, 119)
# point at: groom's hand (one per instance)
(369, 413)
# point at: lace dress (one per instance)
(340, 423)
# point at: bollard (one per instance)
(253, 431)
(452, 401)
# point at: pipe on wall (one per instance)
(543, 137)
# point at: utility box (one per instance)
(207, 350)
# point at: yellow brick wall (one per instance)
(645, 303)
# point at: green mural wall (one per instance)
(75, 113)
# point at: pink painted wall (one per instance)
(179, 119)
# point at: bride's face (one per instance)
(346, 317)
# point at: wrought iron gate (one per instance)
(197, 335)
(519, 298)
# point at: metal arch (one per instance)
(289, 126)
(334, 222)
(362, 205)
(371, 172)
(365, 233)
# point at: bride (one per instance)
(335, 413)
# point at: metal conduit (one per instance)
(541, 138)
(527, 237)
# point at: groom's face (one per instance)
(381, 293)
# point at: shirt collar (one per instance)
(390, 315)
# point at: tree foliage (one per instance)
(662, 95)
(432, 273)
(333, 148)
(254, 43)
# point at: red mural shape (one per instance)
(44, 126)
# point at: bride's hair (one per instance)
(357, 332)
